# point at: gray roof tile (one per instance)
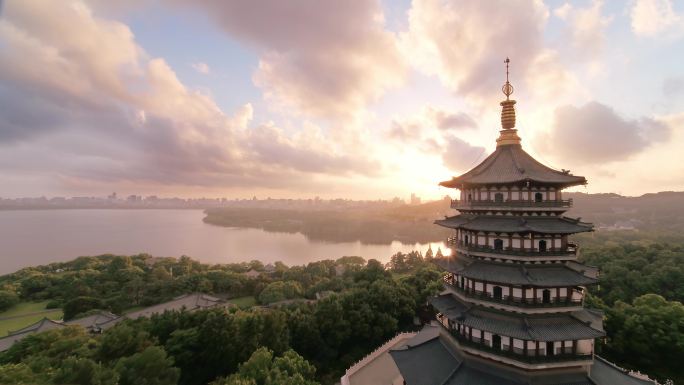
(542, 327)
(516, 224)
(432, 360)
(511, 164)
(546, 275)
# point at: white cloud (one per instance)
(460, 155)
(323, 59)
(466, 42)
(114, 115)
(586, 27)
(201, 67)
(595, 134)
(655, 17)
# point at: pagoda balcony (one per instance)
(518, 354)
(518, 205)
(570, 250)
(508, 300)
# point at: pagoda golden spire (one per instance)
(508, 134)
(508, 111)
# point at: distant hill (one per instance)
(663, 211)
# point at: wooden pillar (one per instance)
(534, 292)
(470, 334)
(524, 347)
(574, 346)
(536, 352)
(524, 293)
(531, 241)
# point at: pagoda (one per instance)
(512, 307)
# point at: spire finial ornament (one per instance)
(508, 134)
(507, 88)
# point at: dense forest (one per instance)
(310, 341)
(304, 342)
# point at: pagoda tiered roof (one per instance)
(516, 224)
(547, 275)
(510, 164)
(578, 325)
(431, 358)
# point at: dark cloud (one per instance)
(596, 133)
(459, 154)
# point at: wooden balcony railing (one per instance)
(562, 203)
(511, 300)
(514, 355)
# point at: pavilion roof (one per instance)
(511, 164)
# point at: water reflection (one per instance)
(33, 237)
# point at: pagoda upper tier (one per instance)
(510, 164)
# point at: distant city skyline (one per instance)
(364, 100)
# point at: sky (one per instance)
(361, 99)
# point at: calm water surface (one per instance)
(35, 237)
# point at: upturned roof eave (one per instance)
(587, 227)
(459, 182)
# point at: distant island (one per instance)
(662, 212)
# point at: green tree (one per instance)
(121, 341)
(19, 374)
(149, 367)
(280, 291)
(263, 369)
(652, 327)
(84, 371)
(7, 299)
(80, 305)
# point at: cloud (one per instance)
(429, 127)
(451, 120)
(465, 42)
(651, 18)
(459, 155)
(85, 102)
(324, 59)
(585, 27)
(201, 67)
(673, 87)
(595, 133)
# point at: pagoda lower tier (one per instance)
(526, 341)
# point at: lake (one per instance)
(36, 237)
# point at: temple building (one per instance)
(512, 307)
